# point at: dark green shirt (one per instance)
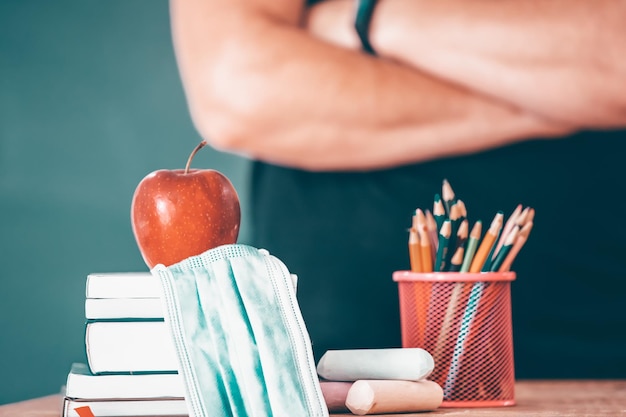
(344, 234)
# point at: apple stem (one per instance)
(196, 149)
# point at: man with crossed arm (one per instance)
(346, 145)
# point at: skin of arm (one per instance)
(563, 59)
(258, 84)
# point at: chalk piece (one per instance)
(335, 394)
(411, 364)
(383, 397)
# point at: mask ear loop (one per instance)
(284, 287)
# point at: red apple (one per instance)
(180, 213)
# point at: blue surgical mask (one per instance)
(242, 345)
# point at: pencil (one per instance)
(442, 249)
(419, 218)
(447, 193)
(462, 208)
(505, 249)
(491, 255)
(415, 258)
(455, 221)
(414, 220)
(472, 244)
(487, 243)
(461, 234)
(425, 249)
(424, 241)
(523, 217)
(455, 215)
(439, 212)
(433, 232)
(531, 215)
(457, 259)
(521, 239)
(512, 221)
(487, 265)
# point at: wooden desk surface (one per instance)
(534, 398)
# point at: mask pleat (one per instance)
(280, 372)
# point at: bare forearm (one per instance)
(271, 91)
(564, 59)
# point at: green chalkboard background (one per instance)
(90, 102)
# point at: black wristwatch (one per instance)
(364, 11)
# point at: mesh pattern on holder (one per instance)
(467, 328)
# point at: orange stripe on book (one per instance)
(84, 411)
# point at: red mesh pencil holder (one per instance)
(464, 321)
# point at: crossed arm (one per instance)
(562, 59)
(260, 84)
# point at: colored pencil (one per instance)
(489, 260)
(511, 221)
(439, 212)
(487, 243)
(455, 221)
(461, 234)
(424, 241)
(448, 195)
(425, 249)
(472, 245)
(414, 220)
(415, 257)
(455, 216)
(505, 249)
(491, 255)
(531, 216)
(433, 232)
(419, 218)
(457, 259)
(462, 208)
(523, 217)
(442, 248)
(521, 239)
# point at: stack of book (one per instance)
(131, 367)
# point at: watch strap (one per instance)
(364, 11)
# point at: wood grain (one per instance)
(573, 398)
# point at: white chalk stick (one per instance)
(383, 397)
(411, 364)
